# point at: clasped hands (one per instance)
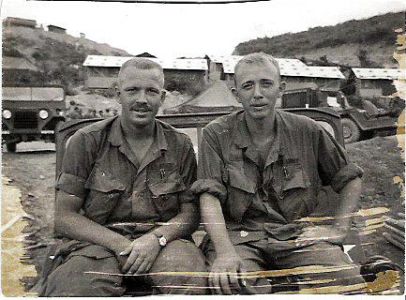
(142, 253)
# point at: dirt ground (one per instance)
(33, 173)
(382, 160)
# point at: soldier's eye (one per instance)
(153, 91)
(267, 84)
(247, 86)
(131, 90)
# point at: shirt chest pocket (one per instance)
(103, 196)
(165, 185)
(292, 187)
(293, 177)
(241, 192)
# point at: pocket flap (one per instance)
(294, 177)
(102, 181)
(166, 187)
(238, 180)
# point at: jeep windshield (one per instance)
(33, 94)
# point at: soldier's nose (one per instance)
(257, 93)
(141, 98)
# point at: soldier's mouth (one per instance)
(141, 110)
(259, 105)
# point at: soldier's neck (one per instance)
(261, 127)
(132, 132)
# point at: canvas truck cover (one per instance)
(33, 94)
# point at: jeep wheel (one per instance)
(351, 131)
(11, 147)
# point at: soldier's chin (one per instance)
(141, 121)
(260, 114)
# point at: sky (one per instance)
(192, 30)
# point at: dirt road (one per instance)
(32, 171)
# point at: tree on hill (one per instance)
(365, 61)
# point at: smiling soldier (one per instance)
(123, 203)
(260, 171)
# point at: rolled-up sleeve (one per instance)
(210, 171)
(76, 165)
(334, 166)
(188, 171)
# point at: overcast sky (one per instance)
(192, 30)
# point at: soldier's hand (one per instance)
(223, 278)
(142, 253)
(313, 234)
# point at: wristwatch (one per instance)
(161, 240)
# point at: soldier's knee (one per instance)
(181, 255)
(76, 278)
(185, 258)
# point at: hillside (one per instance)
(58, 56)
(373, 40)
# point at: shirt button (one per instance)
(243, 233)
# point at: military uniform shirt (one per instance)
(100, 168)
(303, 157)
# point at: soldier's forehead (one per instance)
(132, 73)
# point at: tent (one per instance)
(217, 98)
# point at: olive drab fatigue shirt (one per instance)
(100, 168)
(268, 198)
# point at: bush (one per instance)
(366, 32)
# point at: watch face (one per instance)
(162, 241)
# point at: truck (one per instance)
(357, 123)
(31, 114)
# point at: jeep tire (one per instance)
(351, 131)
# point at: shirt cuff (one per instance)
(345, 175)
(71, 184)
(187, 197)
(210, 186)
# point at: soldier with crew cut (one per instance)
(124, 206)
(259, 176)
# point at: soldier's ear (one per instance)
(163, 96)
(282, 86)
(117, 90)
(235, 93)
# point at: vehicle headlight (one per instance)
(6, 114)
(43, 114)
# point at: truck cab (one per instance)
(31, 114)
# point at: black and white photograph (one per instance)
(203, 148)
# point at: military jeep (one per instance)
(357, 123)
(31, 114)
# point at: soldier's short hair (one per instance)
(142, 64)
(257, 58)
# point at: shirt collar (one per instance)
(116, 135)
(242, 137)
(160, 138)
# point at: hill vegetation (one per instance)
(59, 57)
(347, 43)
